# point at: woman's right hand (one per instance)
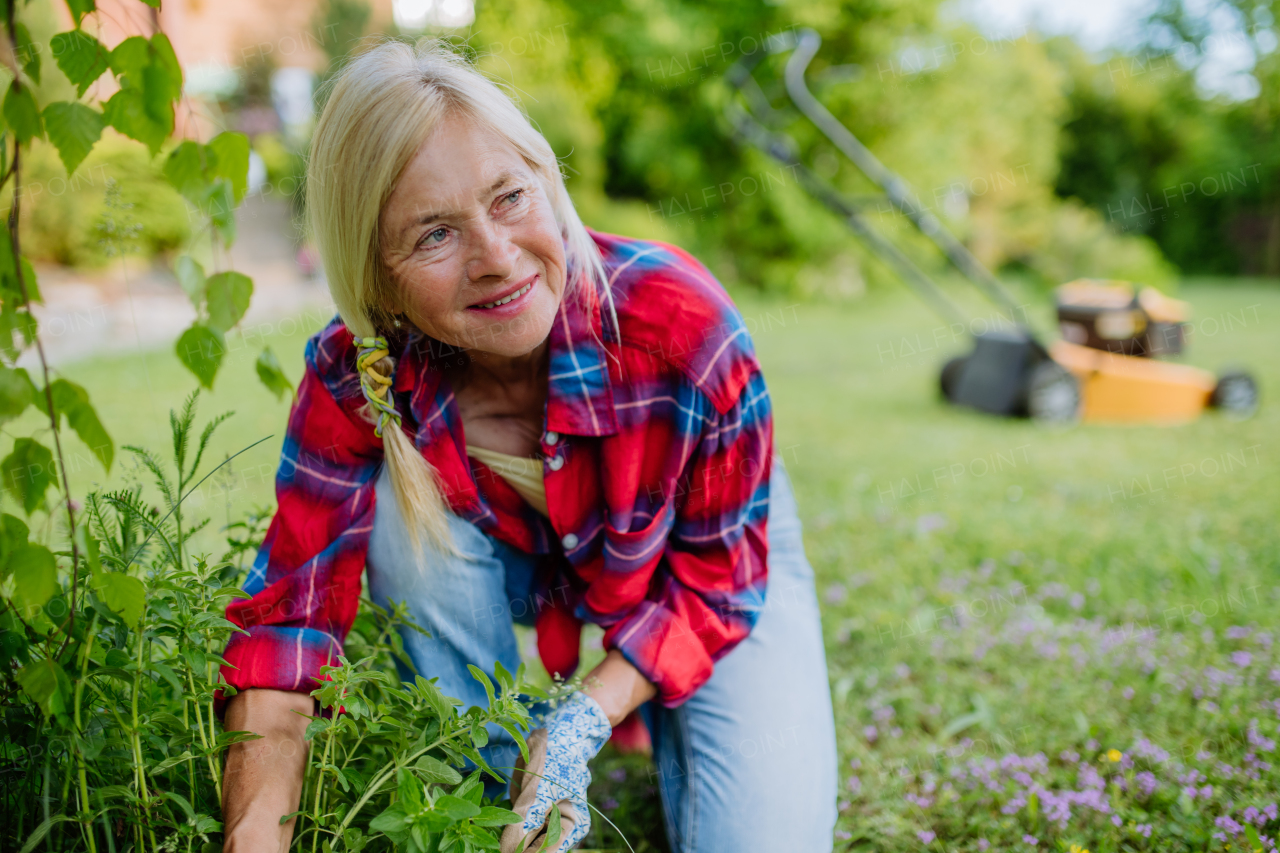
(263, 778)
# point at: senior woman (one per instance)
(516, 419)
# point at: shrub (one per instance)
(61, 214)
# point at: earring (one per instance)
(396, 320)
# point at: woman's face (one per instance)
(469, 226)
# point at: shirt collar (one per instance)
(579, 392)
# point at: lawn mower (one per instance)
(1103, 368)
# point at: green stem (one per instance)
(191, 770)
(80, 769)
(324, 762)
(136, 741)
(204, 740)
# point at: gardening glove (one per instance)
(557, 774)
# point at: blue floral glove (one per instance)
(557, 774)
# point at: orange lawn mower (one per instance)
(1105, 367)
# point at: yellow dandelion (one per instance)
(1114, 755)
(1076, 848)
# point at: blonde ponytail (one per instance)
(381, 107)
(418, 491)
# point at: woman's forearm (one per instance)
(618, 687)
(264, 776)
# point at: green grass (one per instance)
(989, 587)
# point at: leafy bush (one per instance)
(62, 215)
(111, 688)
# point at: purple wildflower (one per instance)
(1241, 659)
(870, 733)
(1030, 839)
(926, 836)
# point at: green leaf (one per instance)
(129, 60)
(46, 684)
(478, 674)
(92, 551)
(221, 210)
(456, 807)
(228, 295)
(186, 170)
(13, 535)
(435, 770)
(494, 816)
(124, 594)
(191, 277)
(35, 576)
(22, 114)
(485, 841)
(165, 62)
(183, 802)
(126, 111)
(232, 151)
(81, 57)
(16, 392)
(73, 129)
(505, 681)
(73, 401)
(410, 791)
(80, 8)
(28, 53)
(272, 375)
(201, 349)
(28, 472)
(553, 830)
(391, 820)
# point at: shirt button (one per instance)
(553, 438)
(570, 541)
(555, 463)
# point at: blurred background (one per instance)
(999, 598)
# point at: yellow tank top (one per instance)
(522, 473)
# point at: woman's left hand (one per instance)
(557, 774)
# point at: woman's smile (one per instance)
(513, 297)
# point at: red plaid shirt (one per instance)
(657, 449)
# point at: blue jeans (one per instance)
(746, 765)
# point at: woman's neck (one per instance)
(501, 400)
(489, 370)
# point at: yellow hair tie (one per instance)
(372, 383)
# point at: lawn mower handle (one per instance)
(747, 127)
(896, 189)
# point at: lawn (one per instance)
(1037, 638)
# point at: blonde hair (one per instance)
(382, 106)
